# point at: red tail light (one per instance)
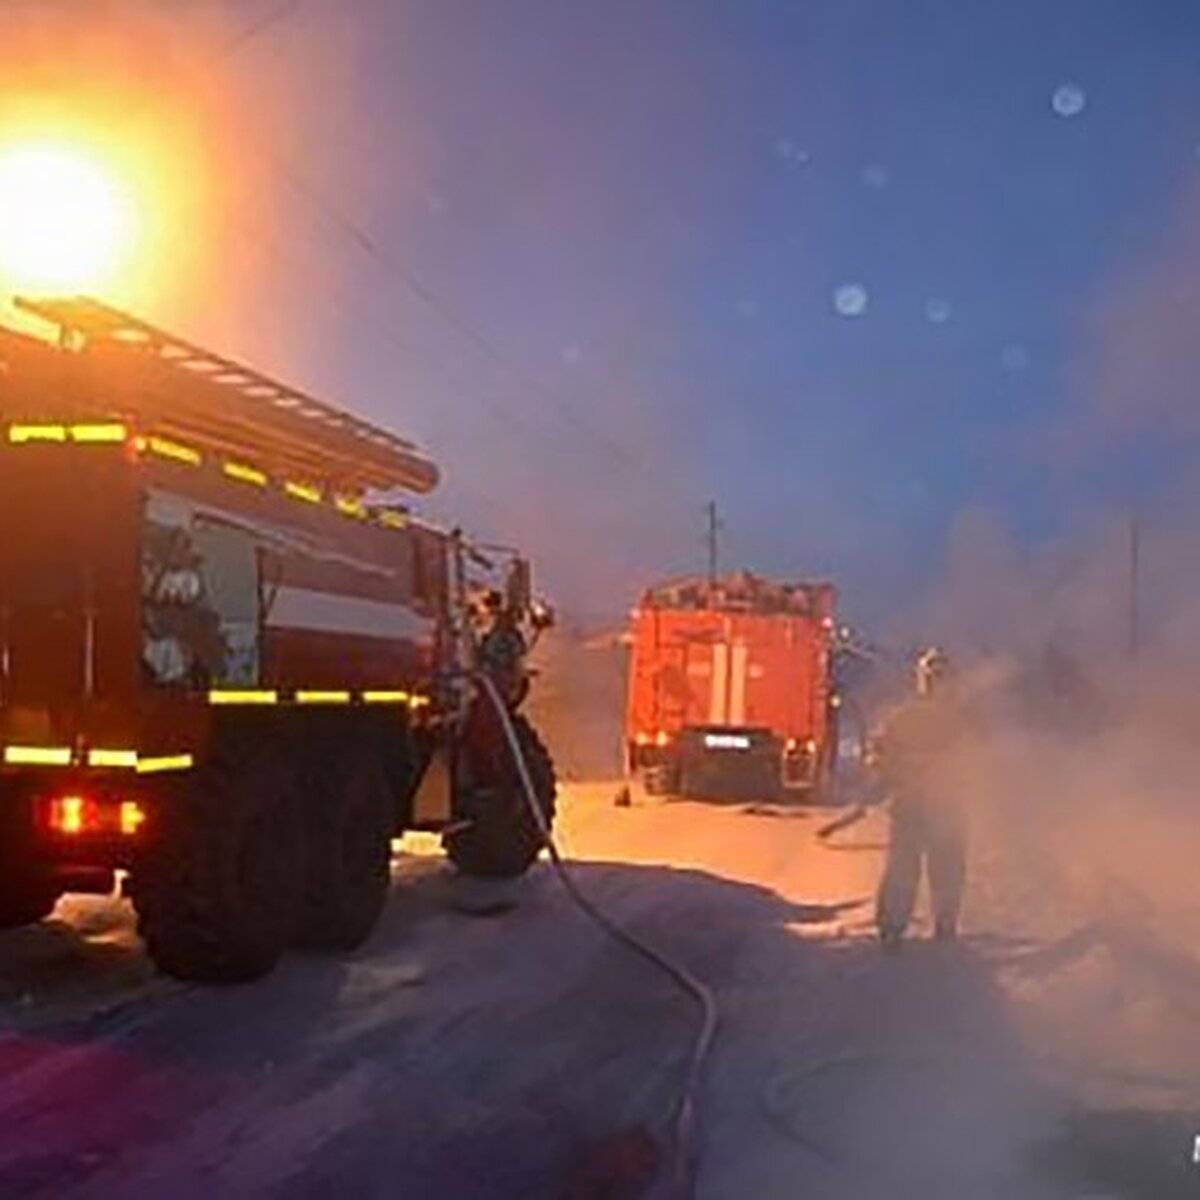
(78, 815)
(132, 817)
(72, 815)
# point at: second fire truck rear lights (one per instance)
(809, 746)
(661, 738)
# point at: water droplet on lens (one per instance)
(938, 311)
(851, 299)
(1069, 100)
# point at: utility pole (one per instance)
(710, 538)
(1135, 570)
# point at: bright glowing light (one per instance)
(66, 223)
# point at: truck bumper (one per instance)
(735, 764)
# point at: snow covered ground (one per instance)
(1052, 1054)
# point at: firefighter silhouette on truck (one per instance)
(499, 836)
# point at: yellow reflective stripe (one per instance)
(383, 697)
(20, 434)
(320, 697)
(419, 701)
(38, 756)
(393, 520)
(351, 507)
(106, 433)
(170, 762)
(245, 474)
(225, 696)
(302, 491)
(131, 760)
(112, 758)
(165, 448)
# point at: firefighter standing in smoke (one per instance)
(915, 760)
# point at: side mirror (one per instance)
(541, 615)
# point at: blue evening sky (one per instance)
(645, 209)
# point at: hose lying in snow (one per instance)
(683, 1123)
(856, 814)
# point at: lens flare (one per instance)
(66, 221)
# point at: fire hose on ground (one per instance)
(683, 1120)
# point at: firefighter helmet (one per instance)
(932, 668)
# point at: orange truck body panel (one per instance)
(748, 655)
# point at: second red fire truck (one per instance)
(731, 688)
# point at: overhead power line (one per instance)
(275, 16)
(388, 262)
(354, 233)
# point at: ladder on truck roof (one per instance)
(175, 387)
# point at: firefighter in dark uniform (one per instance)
(503, 649)
(915, 760)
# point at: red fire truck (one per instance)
(731, 688)
(227, 667)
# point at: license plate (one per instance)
(726, 741)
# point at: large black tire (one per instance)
(25, 897)
(351, 818)
(503, 838)
(217, 890)
(662, 779)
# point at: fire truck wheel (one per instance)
(25, 900)
(661, 780)
(218, 891)
(503, 839)
(350, 856)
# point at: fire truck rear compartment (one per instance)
(730, 689)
